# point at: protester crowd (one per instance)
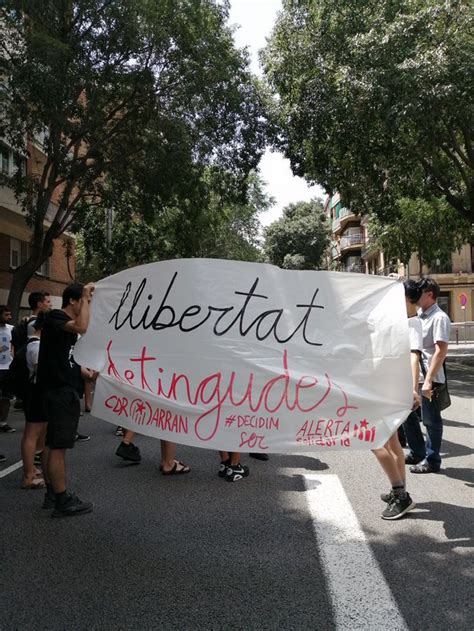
(37, 366)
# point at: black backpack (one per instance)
(18, 376)
(20, 333)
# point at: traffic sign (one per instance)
(463, 299)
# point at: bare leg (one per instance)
(57, 469)
(128, 438)
(394, 447)
(45, 464)
(168, 458)
(31, 436)
(389, 465)
(88, 390)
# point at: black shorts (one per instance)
(3, 378)
(62, 409)
(33, 406)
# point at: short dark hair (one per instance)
(428, 284)
(4, 309)
(72, 292)
(36, 297)
(39, 321)
(412, 290)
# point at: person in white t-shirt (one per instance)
(425, 456)
(5, 361)
(34, 434)
(391, 456)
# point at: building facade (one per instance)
(15, 235)
(352, 251)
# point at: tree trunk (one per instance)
(20, 279)
(420, 264)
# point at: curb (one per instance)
(466, 360)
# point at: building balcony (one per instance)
(349, 241)
(340, 223)
(369, 251)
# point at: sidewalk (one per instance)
(461, 353)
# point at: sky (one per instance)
(254, 21)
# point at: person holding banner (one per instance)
(391, 456)
(168, 465)
(60, 382)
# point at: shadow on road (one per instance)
(455, 450)
(465, 475)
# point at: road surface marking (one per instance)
(360, 595)
(11, 469)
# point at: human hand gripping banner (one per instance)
(248, 357)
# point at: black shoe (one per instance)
(120, 431)
(411, 459)
(71, 506)
(49, 500)
(18, 405)
(128, 452)
(387, 497)
(82, 438)
(2, 458)
(237, 472)
(6, 429)
(223, 468)
(259, 456)
(398, 507)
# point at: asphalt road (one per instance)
(195, 552)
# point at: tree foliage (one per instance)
(299, 239)
(129, 94)
(431, 229)
(376, 98)
(118, 237)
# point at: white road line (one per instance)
(360, 596)
(11, 469)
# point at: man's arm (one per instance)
(415, 373)
(436, 364)
(80, 324)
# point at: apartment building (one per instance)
(15, 234)
(351, 250)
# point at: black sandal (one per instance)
(175, 470)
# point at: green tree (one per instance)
(137, 92)
(226, 226)
(431, 229)
(376, 98)
(299, 239)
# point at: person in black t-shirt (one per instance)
(60, 382)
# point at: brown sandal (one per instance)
(34, 485)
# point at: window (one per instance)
(5, 160)
(440, 267)
(444, 301)
(11, 163)
(15, 253)
(43, 270)
(19, 253)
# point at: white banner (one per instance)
(248, 357)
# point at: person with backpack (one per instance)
(34, 433)
(38, 301)
(5, 361)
